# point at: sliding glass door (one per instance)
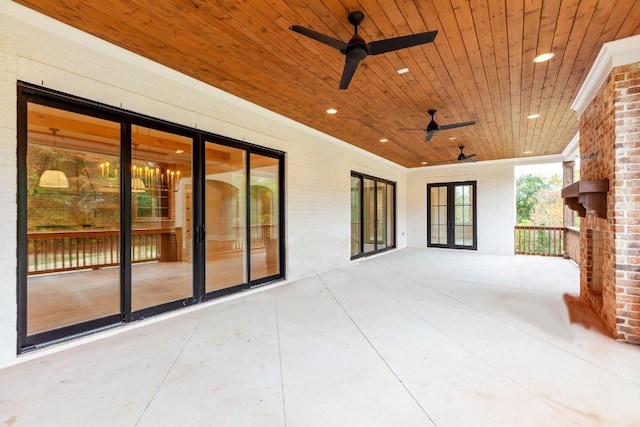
(160, 178)
(71, 197)
(225, 216)
(451, 215)
(122, 216)
(372, 215)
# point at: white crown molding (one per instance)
(613, 54)
(572, 147)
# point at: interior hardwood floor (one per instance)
(63, 299)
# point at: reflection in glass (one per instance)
(391, 233)
(355, 216)
(73, 223)
(381, 213)
(438, 226)
(264, 216)
(160, 201)
(225, 217)
(369, 219)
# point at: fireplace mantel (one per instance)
(587, 194)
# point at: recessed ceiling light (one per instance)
(332, 111)
(533, 116)
(402, 70)
(384, 140)
(179, 151)
(451, 138)
(527, 152)
(544, 57)
(424, 163)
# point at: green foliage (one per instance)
(527, 188)
(538, 200)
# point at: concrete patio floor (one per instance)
(415, 337)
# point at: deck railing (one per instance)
(539, 240)
(55, 251)
(49, 252)
(572, 243)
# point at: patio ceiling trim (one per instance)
(613, 54)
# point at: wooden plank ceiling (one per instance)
(480, 66)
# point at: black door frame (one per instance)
(29, 93)
(377, 181)
(451, 215)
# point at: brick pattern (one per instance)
(610, 148)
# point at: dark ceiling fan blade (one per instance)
(330, 41)
(430, 134)
(388, 45)
(457, 125)
(350, 66)
(464, 157)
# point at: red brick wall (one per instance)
(610, 148)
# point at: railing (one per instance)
(538, 240)
(258, 233)
(572, 243)
(49, 252)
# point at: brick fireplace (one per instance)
(610, 239)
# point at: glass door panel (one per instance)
(381, 215)
(369, 215)
(438, 216)
(225, 217)
(390, 222)
(160, 187)
(73, 218)
(463, 205)
(264, 227)
(355, 216)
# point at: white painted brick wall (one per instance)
(38, 50)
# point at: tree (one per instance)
(527, 188)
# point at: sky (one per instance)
(540, 169)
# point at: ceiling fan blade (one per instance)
(388, 45)
(350, 66)
(457, 125)
(430, 134)
(466, 158)
(330, 41)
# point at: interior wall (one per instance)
(41, 51)
(495, 202)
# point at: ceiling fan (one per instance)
(357, 50)
(465, 157)
(434, 127)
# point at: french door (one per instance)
(451, 215)
(372, 215)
